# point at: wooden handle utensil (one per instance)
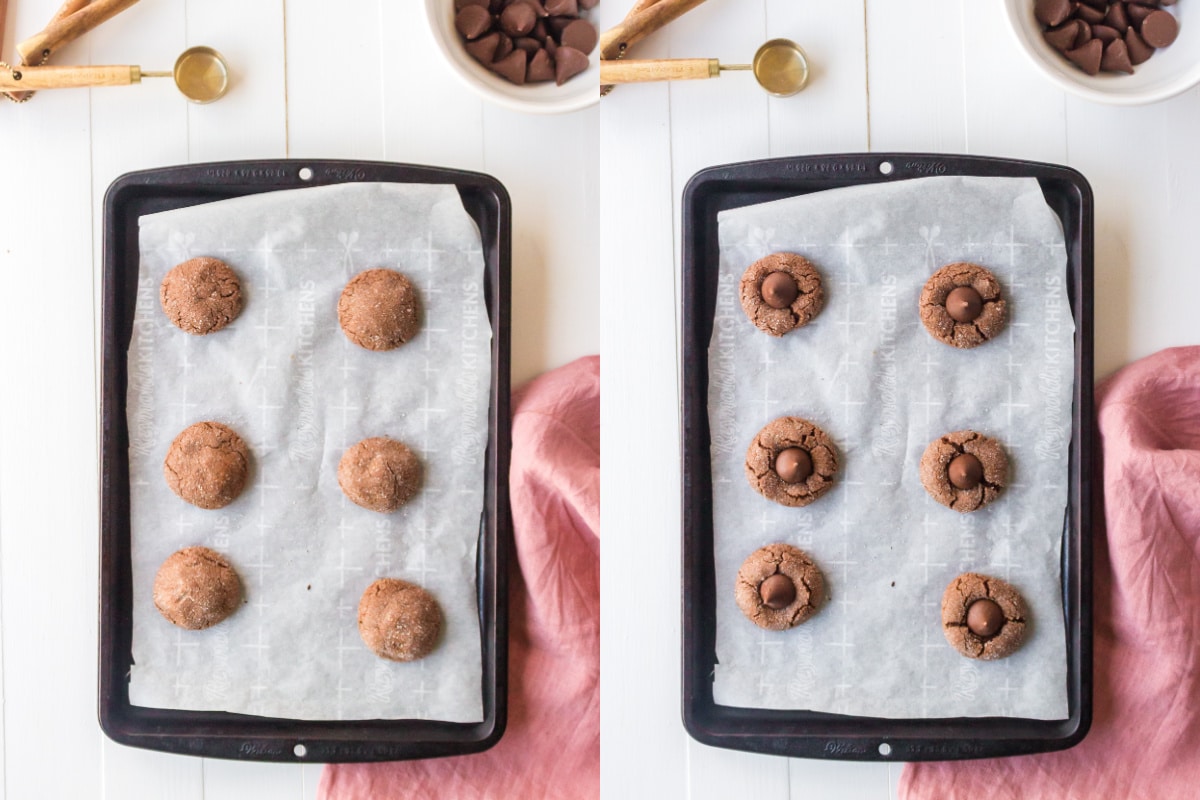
(34, 78)
(665, 69)
(36, 49)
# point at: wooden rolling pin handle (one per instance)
(36, 49)
(669, 69)
(33, 78)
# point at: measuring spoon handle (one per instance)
(661, 69)
(33, 78)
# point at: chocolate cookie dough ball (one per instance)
(380, 474)
(399, 620)
(791, 461)
(201, 295)
(778, 587)
(379, 309)
(207, 465)
(195, 588)
(781, 292)
(964, 470)
(983, 617)
(961, 305)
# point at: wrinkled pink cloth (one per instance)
(551, 748)
(1145, 735)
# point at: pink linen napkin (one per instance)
(551, 748)
(1145, 735)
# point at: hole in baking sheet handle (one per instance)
(886, 168)
(305, 174)
(300, 750)
(885, 749)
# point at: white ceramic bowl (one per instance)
(536, 98)
(1169, 71)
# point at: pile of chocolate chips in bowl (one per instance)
(528, 41)
(1100, 35)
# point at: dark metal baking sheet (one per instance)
(240, 736)
(821, 735)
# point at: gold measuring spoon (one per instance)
(200, 73)
(779, 66)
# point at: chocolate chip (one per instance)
(579, 34)
(1116, 17)
(1090, 15)
(517, 19)
(779, 290)
(1105, 33)
(793, 465)
(483, 49)
(1159, 29)
(588, 4)
(1137, 13)
(985, 618)
(459, 5)
(777, 591)
(562, 8)
(1139, 51)
(1085, 33)
(539, 31)
(503, 48)
(1116, 58)
(1063, 37)
(473, 21)
(528, 44)
(964, 304)
(541, 68)
(512, 67)
(1087, 58)
(568, 62)
(965, 471)
(1052, 12)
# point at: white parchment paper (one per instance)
(867, 372)
(285, 377)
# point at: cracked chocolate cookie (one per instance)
(964, 470)
(207, 465)
(962, 305)
(983, 617)
(201, 295)
(195, 588)
(399, 620)
(781, 292)
(379, 309)
(791, 461)
(380, 474)
(778, 587)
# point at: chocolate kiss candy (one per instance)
(581, 35)
(777, 591)
(1091, 16)
(562, 8)
(541, 68)
(779, 290)
(1116, 57)
(793, 465)
(512, 67)
(1087, 58)
(1052, 12)
(1062, 38)
(528, 44)
(518, 19)
(965, 471)
(1139, 51)
(473, 21)
(1085, 33)
(1137, 13)
(1105, 33)
(539, 31)
(964, 304)
(568, 62)
(1160, 28)
(1116, 17)
(503, 48)
(483, 49)
(985, 618)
